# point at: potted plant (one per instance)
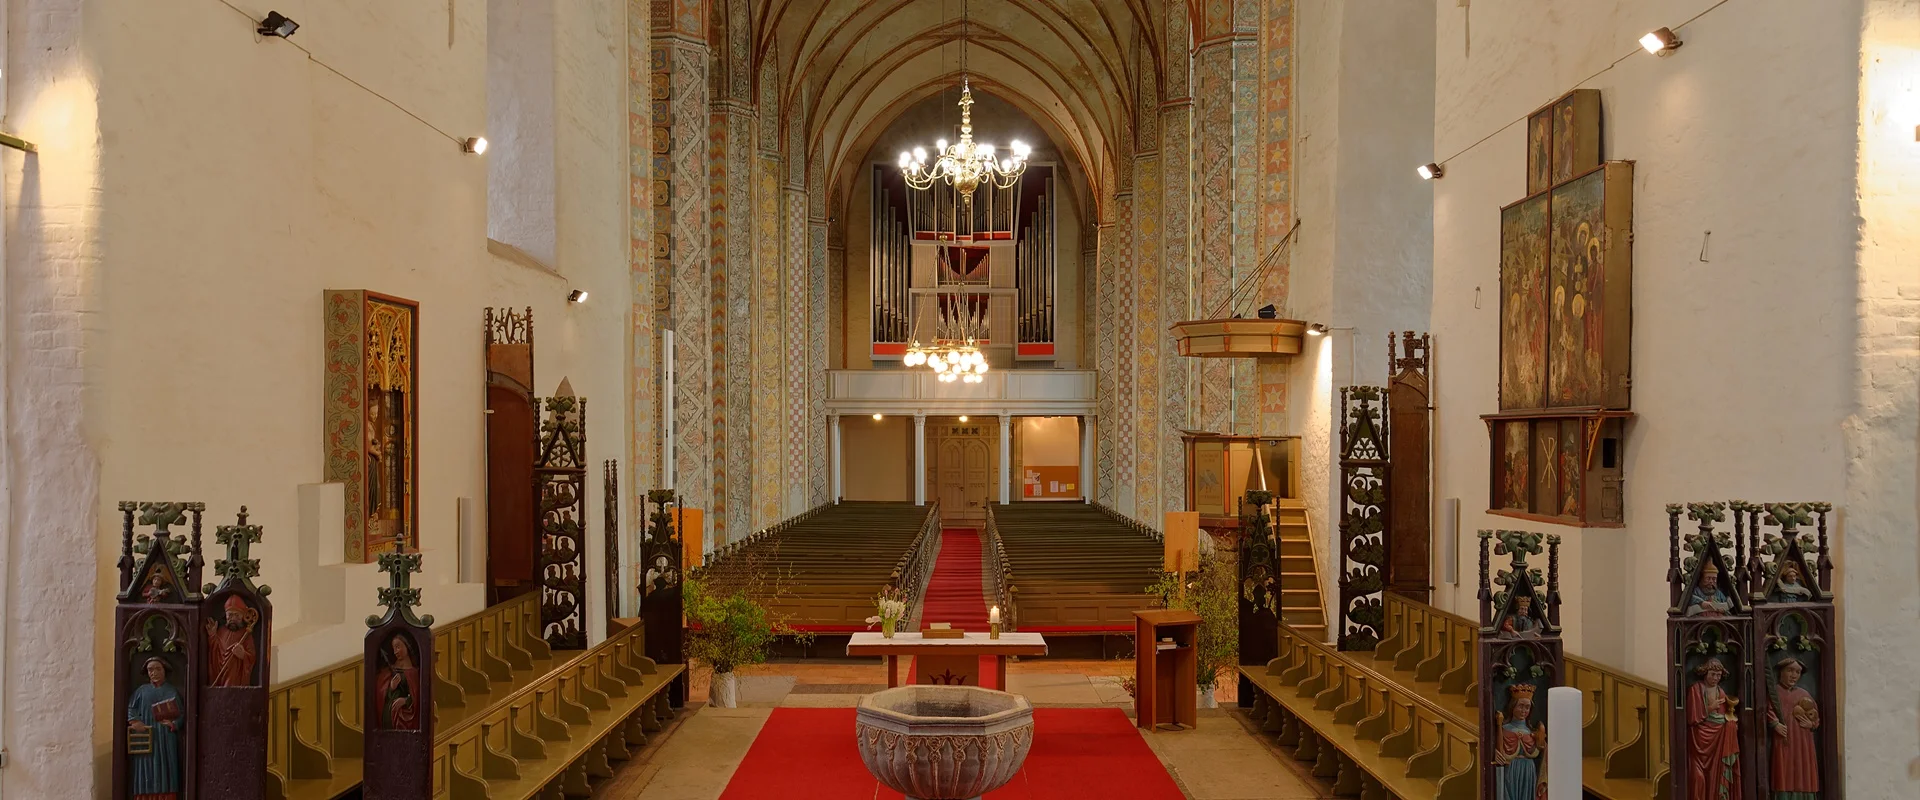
(1213, 593)
(891, 607)
(727, 630)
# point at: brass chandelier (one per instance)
(954, 354)
(965, 164)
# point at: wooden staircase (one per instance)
(1301, 605)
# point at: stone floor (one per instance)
(695, 757)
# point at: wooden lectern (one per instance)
(1165, 692)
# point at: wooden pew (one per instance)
(1360, 729)
(314, 730)
(552, 737)
(835, 559)
(1071, 568)
(1431, 654)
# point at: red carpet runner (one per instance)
(953, 593)
(1091, 753)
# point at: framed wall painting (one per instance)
(1524, 240)
(371, 418)
(1591, 281)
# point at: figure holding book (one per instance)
(154, 730)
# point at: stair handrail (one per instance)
(1133, 524)
(915, 567)
(1002, 573)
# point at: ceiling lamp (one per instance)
(954, 352)
(965, 164)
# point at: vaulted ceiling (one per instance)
(848, 67)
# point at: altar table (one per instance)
(947, 661)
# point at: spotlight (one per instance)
(878, 417)
(277, 24)
(1269, 312)
(1661, 42)
(1431, 171)
(476, 145)
(577, 296)
(1317, 329)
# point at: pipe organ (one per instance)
(932, 256)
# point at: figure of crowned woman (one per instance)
(1518, 751)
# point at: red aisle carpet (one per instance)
(954, 595)
(1091, 753)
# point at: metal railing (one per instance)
(1001, 574)
(915, 567)
(1137, 526)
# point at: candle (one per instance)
(994, 615)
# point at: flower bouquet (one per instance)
(892, 608)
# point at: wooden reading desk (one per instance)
(948, 661)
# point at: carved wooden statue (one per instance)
(560, 478)
(156, 619)
(1521, 656)
(398, 713)
(1709, 649)
(1796, 720)
(660, 602)
(1363, 516)
(238, 624)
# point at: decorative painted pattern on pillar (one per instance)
(1147, 330)
(690, 272)
(769, 382)
(797, 315)
(1215, 269)
(1176, 164)
(1105, 339)
(1276, 186)
(817, 351)
(1246, 213)
(1125, 293)
(643, 391)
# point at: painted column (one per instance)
(682, 117)
(1176, 290)
(919, 459)
(1140, 284)
(833, 431)
(1087, 433)
(1006, 459)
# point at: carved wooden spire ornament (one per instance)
(399, 595)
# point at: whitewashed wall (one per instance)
(1362, 261)
(179, 232)
(1772, 360)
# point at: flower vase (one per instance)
(724, 692)
(1206, 699)
(886, 628)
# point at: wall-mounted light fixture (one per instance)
(577, 296)
(1317, 329)
(963, 418)
(1269, 311)
(1430, 171)
(1661, 42)
(878, 417)
(476, 145)
(277, 24)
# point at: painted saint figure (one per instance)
(1706, 599)
(1792, 717)
(231, 650)
(1520, 749)
(398, 683)
(1519, 623)
(1791, 589)
(155, 729)
(1713, 736)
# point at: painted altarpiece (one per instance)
(1521, 657)
(371, 413)
(1565, 321)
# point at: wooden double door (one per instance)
(962, 470)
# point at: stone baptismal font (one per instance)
(943, 742)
